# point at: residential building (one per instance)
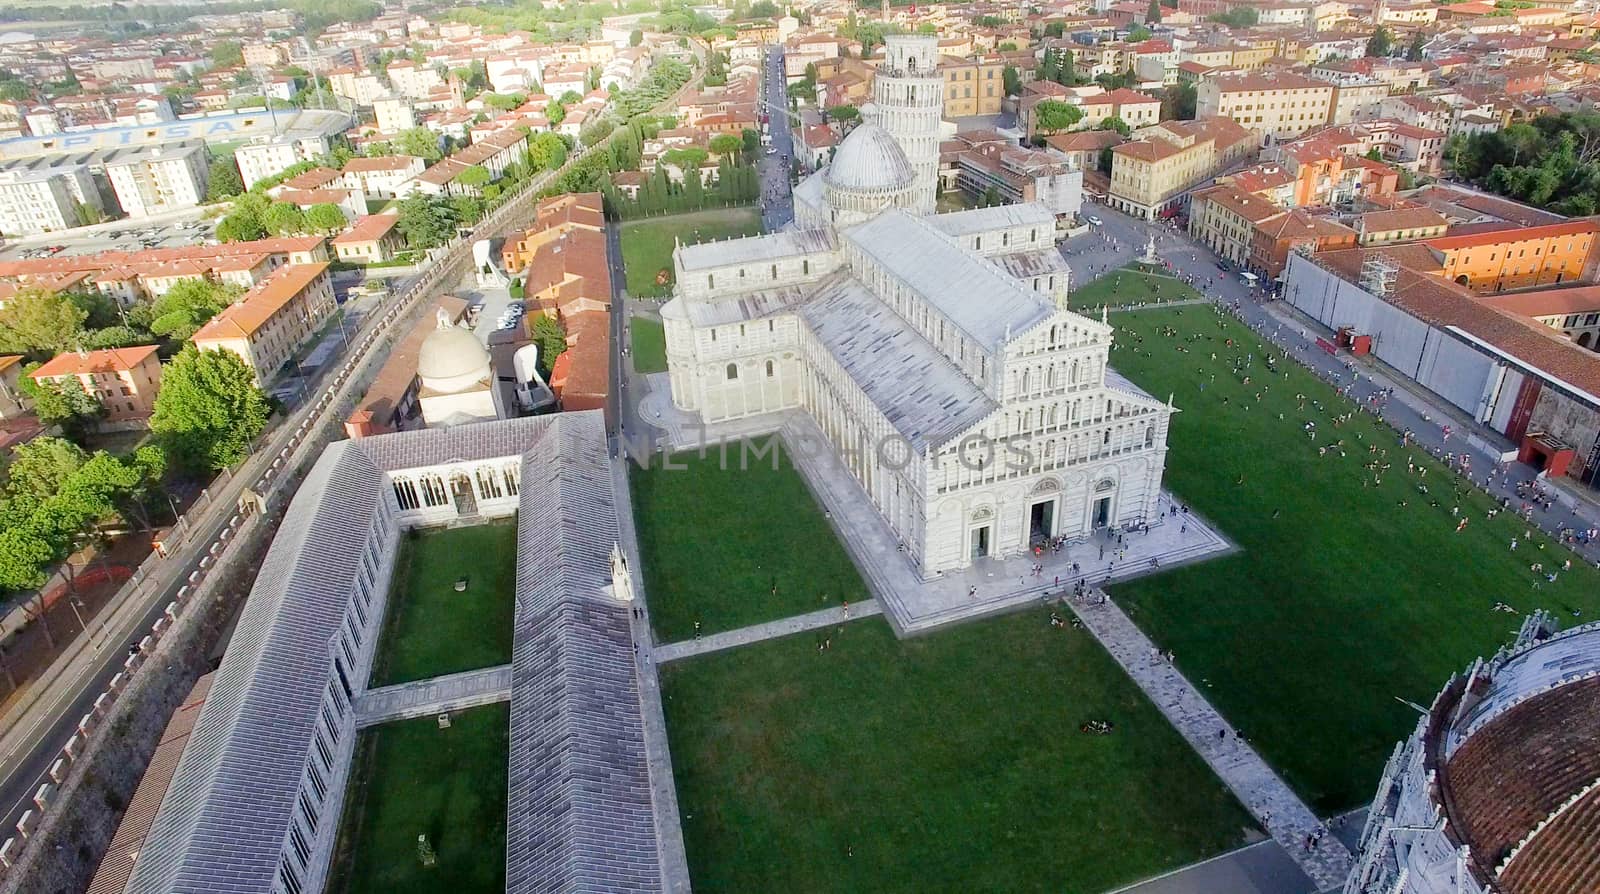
(159, 179)
(1574, 311)
(1498, 260)
(1272, 240)
(124, 380)
(265, 157)
(356, 84)
(394, 113)
(39, 201)
(1082, 148)
(1223, 218)
(1400, 225)
(270, 322)
(13, 401)
(1135, 109)
(1277, 105)
(412, 79)
(974, 86)
(370, 240)
(382, 176)
(1151, 175)
(1018, 174)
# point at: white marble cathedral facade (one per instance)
(934, 352)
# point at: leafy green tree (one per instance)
(66, 404)
(224, 180)
(685, 158)
(245, 219)
(40, 467)
(209, 409)
(1012, 80)
(1414, 50)
(1139, 32)
(421, 142)
(1055, 29)
(1179, 102)
(635, 37)
(726, 145)
(1115, 123)
(227, 53)
(1153, 13)
(1054, 116)
(425, 221)
(284, 219)
(24, 556)
(474, 177)
(40, 323)
(546, 152)
(188, 305)
(116, 337)
(1238, 17)
(550, 336)
(1381, 43)
(843, 113)
(325, 217)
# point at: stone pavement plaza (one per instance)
(914, 605)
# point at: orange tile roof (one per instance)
(1476, 240)
(242, 318)
(369, 228)
(108, 360)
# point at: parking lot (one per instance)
(125, 235)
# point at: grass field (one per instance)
(647, 244)
(412, 778)
(430, 628)
(1129, 286)
(950, 762)
(649, 345)
(715, 542)
(1352, 589)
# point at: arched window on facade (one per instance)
(1149, 436)
(433, 492)
(512, 474)
(769, 369)
(488, 484)
(733, 371)
(405, 493)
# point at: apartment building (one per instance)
(974, 86)
(160, 178)
(394, 113)
(1516, 258)
(1151, 175)
(270, 322)
(381, 176)
(1134, 108)
(1279, 105)
(13, 402)
(35, 202)
(124, 380)
(266, 156)
(412, 79)
(357, 85)
(1223, 218)
(1399, 225)
(370, 240)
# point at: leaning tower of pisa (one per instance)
(908, 99)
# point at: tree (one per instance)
(635, 37)
(1419, 42)
(843, 113)
(35, 321)
(1381, 43)
(1238, 17)
(188, 305)
(546, 152)
(1106, 158)
(474, 177)
(227, 53)
(1012, 80)
(40, 467)
(325, 217)
(244, 222)
(68, 405)
(1139, 32)
(551, 338)
(726, 145)
(425, 221)
(421, 142)
(1054, 116)
(283, 219)
(1153, 13)
(1113, 122)
(224, 180)
(1178, 102)
(209, 409)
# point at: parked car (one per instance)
(1094, 221)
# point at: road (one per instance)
(1121, 239)
(777, 203)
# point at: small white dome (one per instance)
(870, 161)
(452, 359)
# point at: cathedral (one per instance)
(934, 351)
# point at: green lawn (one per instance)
(412, 778)
(1348, 600)
(647, 244)
(950, 762)
(1128, 286)
(649, 345)
(433, 630)
(716, 541)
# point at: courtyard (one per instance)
(1354, 587)
(728, 547)
(954, 761)
(647, 244)
(413, 778)
(430, 629)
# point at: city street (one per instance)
(777, 203)
(1120, 239)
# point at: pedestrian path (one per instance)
(755, 633)
(435, 695)
(1279, 810)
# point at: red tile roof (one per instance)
(108, 360)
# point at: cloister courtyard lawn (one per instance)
(1133, 284)
(649, 345)
(412, 778)
(1352, 589)
(949, 762)
(647, 244)
(431, 629)
(715, 540)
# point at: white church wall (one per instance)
(438, 495)
(730, 279)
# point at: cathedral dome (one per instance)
(869, 161)
(452, 358)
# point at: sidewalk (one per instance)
(435, 695)
(1279, 810)
(755, 633)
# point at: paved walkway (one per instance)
(435, 695)
(1279, 810)
(755, 633)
